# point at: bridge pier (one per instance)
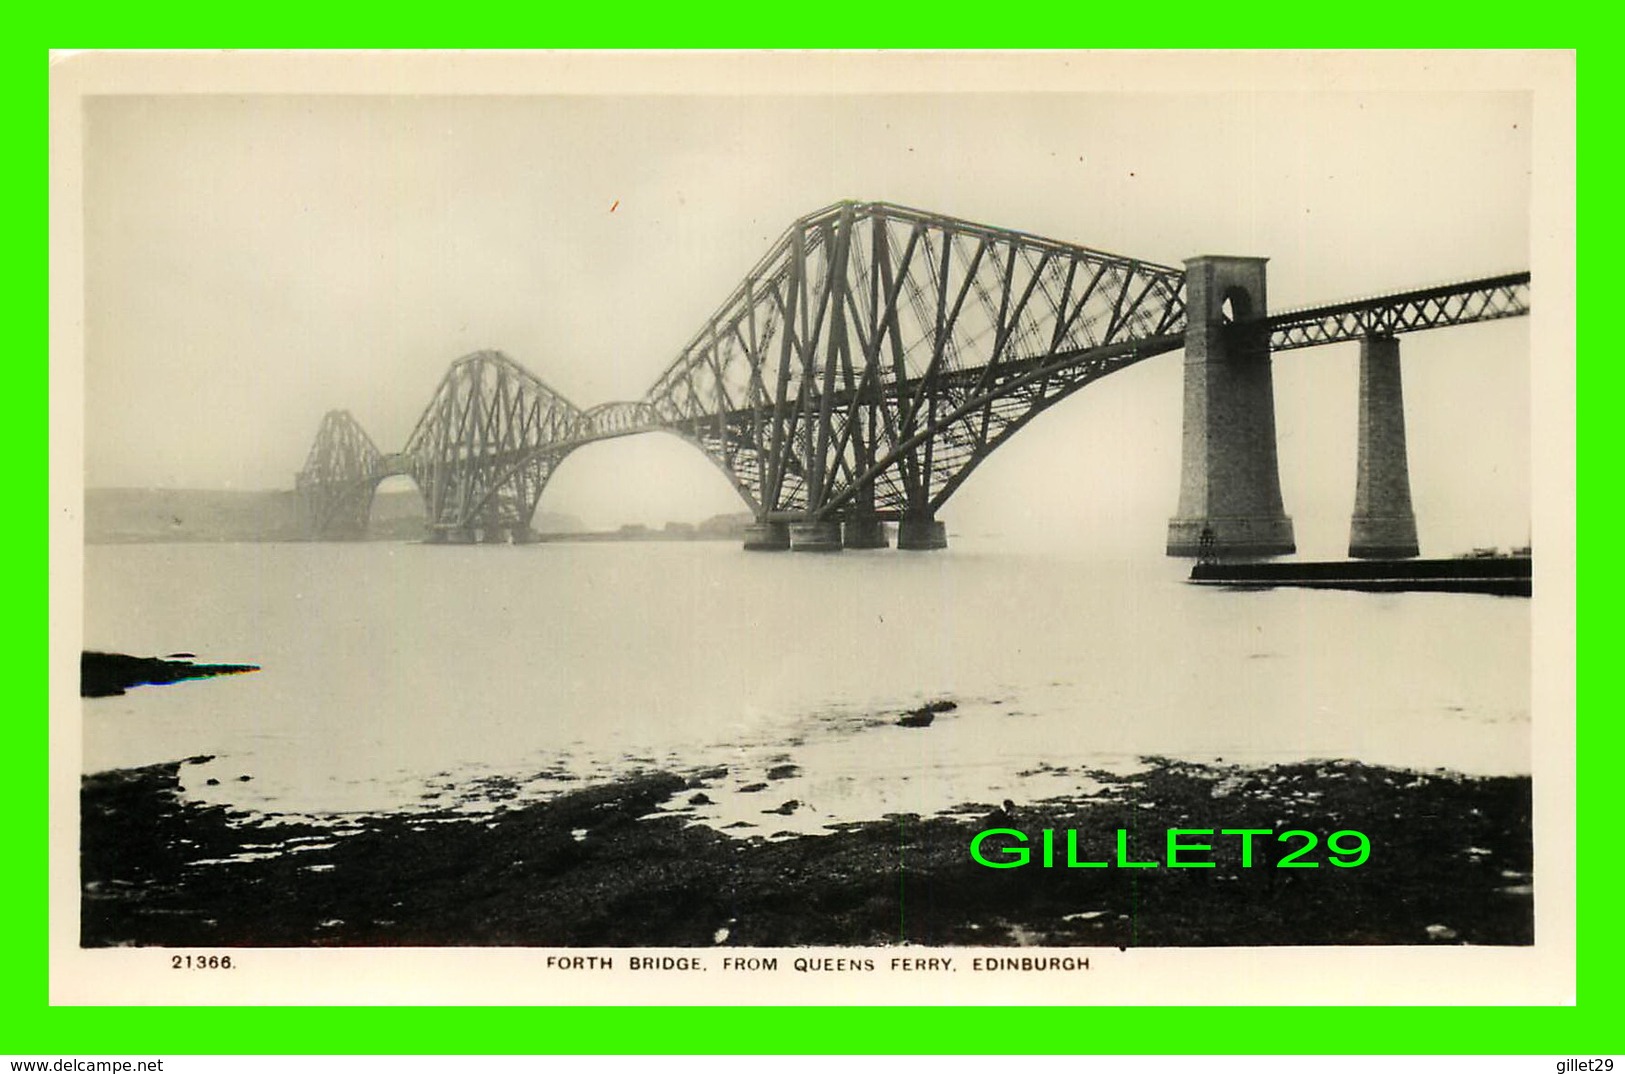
(921, 535)
(865, 531)
(1230, 484)
(767, 537)
(816, 536)
(1384, 523)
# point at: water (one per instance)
(404, 676)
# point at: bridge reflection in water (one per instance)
(866, 366)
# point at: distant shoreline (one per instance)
(617, 535)
(123, 516)
(585, 536)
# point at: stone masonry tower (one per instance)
(1229, 483)
(1384, 524)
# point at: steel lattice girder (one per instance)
(878, 353)
(486, 444)
(340, 474)
(1488, 299)
(609, 420)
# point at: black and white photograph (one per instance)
(915, 525)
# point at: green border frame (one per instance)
(31, 1026)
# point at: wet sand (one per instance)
(1450, 863)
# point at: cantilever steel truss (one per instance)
(865, 367)
(877, 354)
(339, 477)
(485, 446)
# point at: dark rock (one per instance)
(752, 788)
(700, 799)
(922, 716)
(1003, 817)
(109, 674)
(786, 809)
(783, 771)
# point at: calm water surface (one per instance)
(404, 676)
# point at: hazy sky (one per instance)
(253, 261)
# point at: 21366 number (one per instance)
(200, 962)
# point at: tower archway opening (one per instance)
(1237, 306)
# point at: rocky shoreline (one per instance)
(1451, 862)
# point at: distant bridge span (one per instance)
(873, 358)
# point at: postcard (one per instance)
(551, 528)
